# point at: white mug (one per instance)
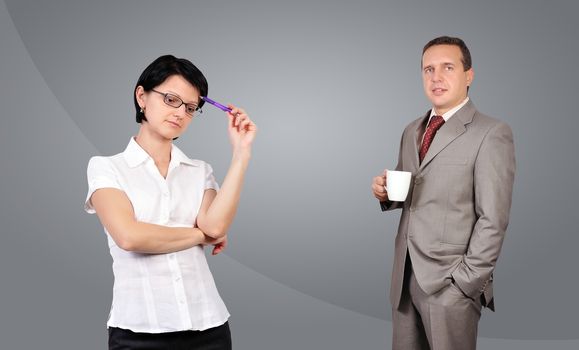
(397, 185)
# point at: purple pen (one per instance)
(216, 104)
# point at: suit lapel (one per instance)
(417, 139)
(452, 129)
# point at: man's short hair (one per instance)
(448, 40)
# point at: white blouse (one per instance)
(157, 293)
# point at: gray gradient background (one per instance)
(331, 84)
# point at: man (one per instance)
(456, 213)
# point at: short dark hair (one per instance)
(448, 40)
(161, 69)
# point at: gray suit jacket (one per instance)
(455, 216)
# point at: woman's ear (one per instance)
(141, 96)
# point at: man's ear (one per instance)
(469, 77)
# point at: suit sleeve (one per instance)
(389, 205)
(494, 173)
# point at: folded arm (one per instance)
(116, 213)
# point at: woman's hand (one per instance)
(219, 244)
(241, 129)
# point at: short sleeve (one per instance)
(210, 182)
(100, 174)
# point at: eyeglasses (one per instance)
(174, 101)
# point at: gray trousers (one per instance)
(445, 320)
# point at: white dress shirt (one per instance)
(157, 293)
(446, 116)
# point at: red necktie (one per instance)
(435, 124)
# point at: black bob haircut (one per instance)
(164, 67)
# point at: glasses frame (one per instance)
(165, 95)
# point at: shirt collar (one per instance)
(135, 155)
(446, 116)
(180, 158)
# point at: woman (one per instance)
(159, 208)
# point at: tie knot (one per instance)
(436, 122)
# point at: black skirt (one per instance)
(218, 338)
